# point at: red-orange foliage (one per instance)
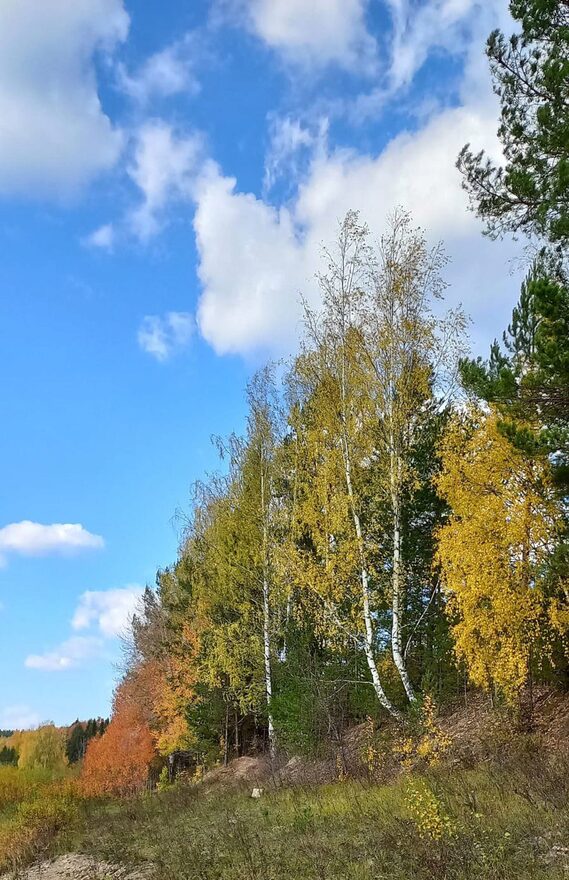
(117, 762)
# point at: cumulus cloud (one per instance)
(109, 611)
(18, 717)
(317, 33)
(251, 267)
(104, 615)
(163, 169)
(166, 73)
(254, 258)
(29, 538)
(54, 134)
(163, 336)
(70, 654)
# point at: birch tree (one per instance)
(328, 377)
(259, 469)
(494, 550)
(412, 352)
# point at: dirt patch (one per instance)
(78, 867)
(245, 772)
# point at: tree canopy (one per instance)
(529, 192)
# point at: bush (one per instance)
(31, 830)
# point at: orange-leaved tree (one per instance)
(117, 763)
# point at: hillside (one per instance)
(494, 804)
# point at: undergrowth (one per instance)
(36, 808)
(464, 824)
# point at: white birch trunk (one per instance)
(368, 623)
(267, 620)
(267, 659)
(397, 586)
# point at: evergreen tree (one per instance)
(530, 72)
(76, 743)
(9, 755)
(528, 378)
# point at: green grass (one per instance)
(486, 823)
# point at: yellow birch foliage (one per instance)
(492, 549)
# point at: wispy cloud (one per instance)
(164, 336)
(163, 168)
(18, 717)
(168, 72)
(71, 653)
(103, 237)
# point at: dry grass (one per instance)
(457, 825)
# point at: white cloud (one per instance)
(105, 614)
(291, 140)
(70, 654)
(163, 168)
(254, 259)
(163, 336)
(18, 717)
(315, 33)
(103, 237)
(110, 611)
(251, 267)
(54, 135)
(28, 538)
(168, 72)
(420, 29)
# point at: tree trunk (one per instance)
(267, 619)
(226, 735)
(368, 624)
(397, 586)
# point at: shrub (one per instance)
(33, 827)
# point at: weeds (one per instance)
(436, 824)
(464, 825)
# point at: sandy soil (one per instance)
(77, 867)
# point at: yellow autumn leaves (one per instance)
(492, 551)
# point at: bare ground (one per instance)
(77, 867)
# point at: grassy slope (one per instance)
(468, 824)
(496, 806)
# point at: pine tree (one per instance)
(531, 78)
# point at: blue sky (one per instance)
(168, 173)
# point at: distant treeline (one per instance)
(50, 747)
